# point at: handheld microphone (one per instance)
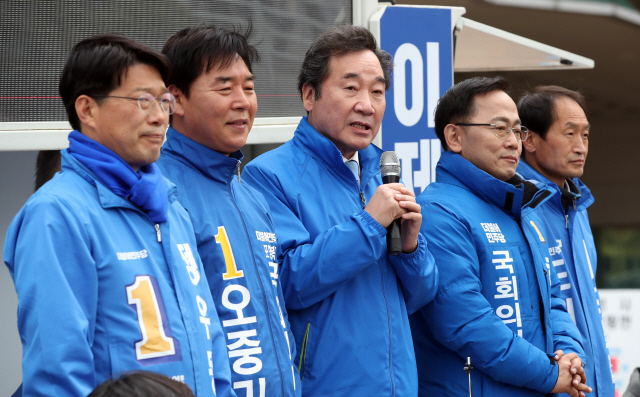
(390, 171)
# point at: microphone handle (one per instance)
(394, 237)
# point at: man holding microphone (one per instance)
(347, 298)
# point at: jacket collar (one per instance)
(212, 164)
(316, 145)
(579, 192)
(514, 196)
(107, 198)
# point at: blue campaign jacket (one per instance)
(497, 300)
(237, 243)
(347, 299)
(573, 254)
(102, 290)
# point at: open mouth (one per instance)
(360, 126)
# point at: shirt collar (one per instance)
(354, 158)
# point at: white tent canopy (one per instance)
(480, 47)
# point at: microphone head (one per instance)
(389, 164)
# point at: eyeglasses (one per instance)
(145, 101)
(502, 129)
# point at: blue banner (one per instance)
(420, 41)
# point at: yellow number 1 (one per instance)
(229, 260)
(154, 343)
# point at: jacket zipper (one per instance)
(264, 292)
(359, 184)
(386, 302)
(566, 216)
(158, 234)
(303, 353)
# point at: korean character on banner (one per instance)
(248, 386)
(504, 262)
(237, 307)
(270, 251)
(192, 265)
(274, 274)
(493, 233)
(509, 315)
(498, 237)
(507, 288)
(248, 363)
(490, 237)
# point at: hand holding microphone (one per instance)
(391, 202)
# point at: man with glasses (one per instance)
(216, 105)
(555, 154)
(103, 256)
(497, 302)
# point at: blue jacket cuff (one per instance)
(552, 379)
(368, 219)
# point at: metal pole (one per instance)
(467, 369)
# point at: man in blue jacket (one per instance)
(497, 297)
(103, 257)
(216, 104)
(347, 297)
(555, 154)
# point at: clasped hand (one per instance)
(571, 377)
(393, 201)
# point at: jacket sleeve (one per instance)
(418, 275)
(314, 269)
(49, 253)
(462, 319)
(566, 336)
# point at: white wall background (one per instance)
(621, 320)
(17, 171)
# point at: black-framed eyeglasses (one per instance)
(502, 129)
(145, 101)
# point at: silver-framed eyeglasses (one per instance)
(167, 101)
(502, 129)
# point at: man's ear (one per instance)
(530, 143)
(453, 137)
(308, 97)
(180, 97)
(86, 109)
